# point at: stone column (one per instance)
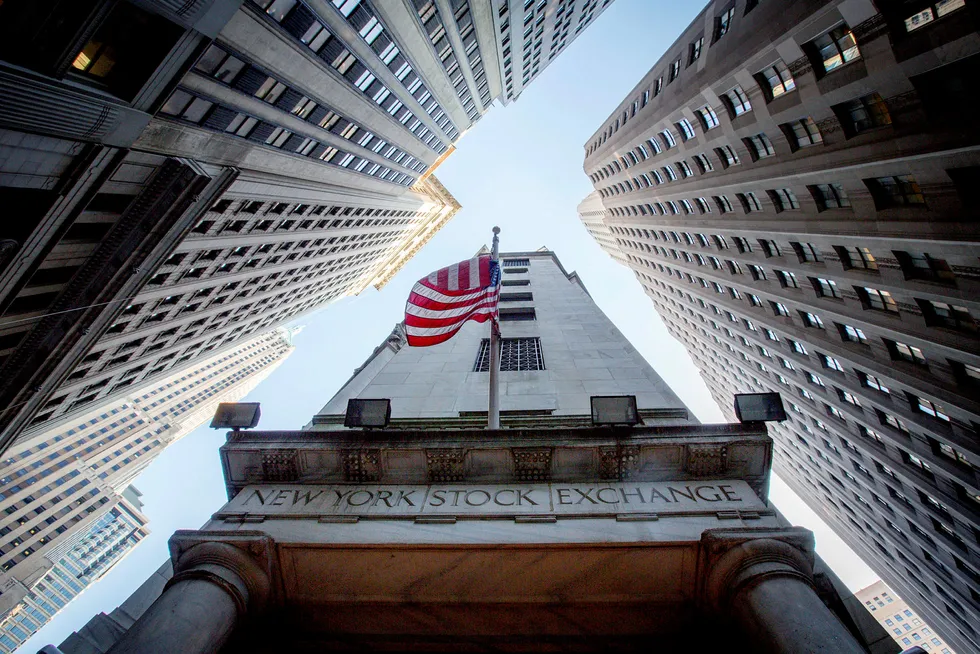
(763, 580)
(214, 586)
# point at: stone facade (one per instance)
(804, 224)
(549, 534)
(582, 353)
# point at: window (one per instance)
(709, 120)
(278, 137)
(743, 245)
(863, 114)
(186, 106)
(870, 381)
(516, 354)
(895, 191)
(738, 101)
(926, 16)
(873, 298)
(807, 252)
(829, 196)
(750, 203)
(857, 257)
(852, 334)
(723, 23)
(219, 64)
(724, 204)
(727, 156)
(835, 48)
(686, 129)
(779, 309)
(124, 50)
(675, 70)
(517, 315)
(941, 314)
(668, 138)
(787, 279)
(270, 90)
(776, 80)
(784, 199)
(769, 247)
(830, 362)
(703, 163)
(802, 133)
(904, 352)
(277, 8)
(695, 50)
(825, 287)
(811, 319)
(760, 146)
(928, 407)
(923, 266)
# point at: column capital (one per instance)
(242, 563)
(732, 560)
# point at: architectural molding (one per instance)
(249, 555)
(362, 465)
(532, 464)
(731, 559)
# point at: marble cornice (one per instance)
(678, 453)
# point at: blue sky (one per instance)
(519, 168)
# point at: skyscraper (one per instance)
(55, 485)
(788, 188)
(78, 562)
(267, 156)
(899, 620)
(568, 529)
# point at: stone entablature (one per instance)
(643, 454)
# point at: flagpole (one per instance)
(493, 405)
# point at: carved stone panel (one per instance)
(706, 460)
(532, 463)
(444, 465)
(618, 462)
(362, 465)
(280, 465)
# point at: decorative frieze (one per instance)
(532, 463)
(619, 462)
(280, 465)
(444, 465)
(362, 465)
(706, 460)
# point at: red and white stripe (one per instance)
(440, 303)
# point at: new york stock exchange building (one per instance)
(600, 516)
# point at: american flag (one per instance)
(440, 303)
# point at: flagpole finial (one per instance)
(496, 230)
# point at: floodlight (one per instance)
(759, 407)
(367, 413)
(614, 410)
(236, 415)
